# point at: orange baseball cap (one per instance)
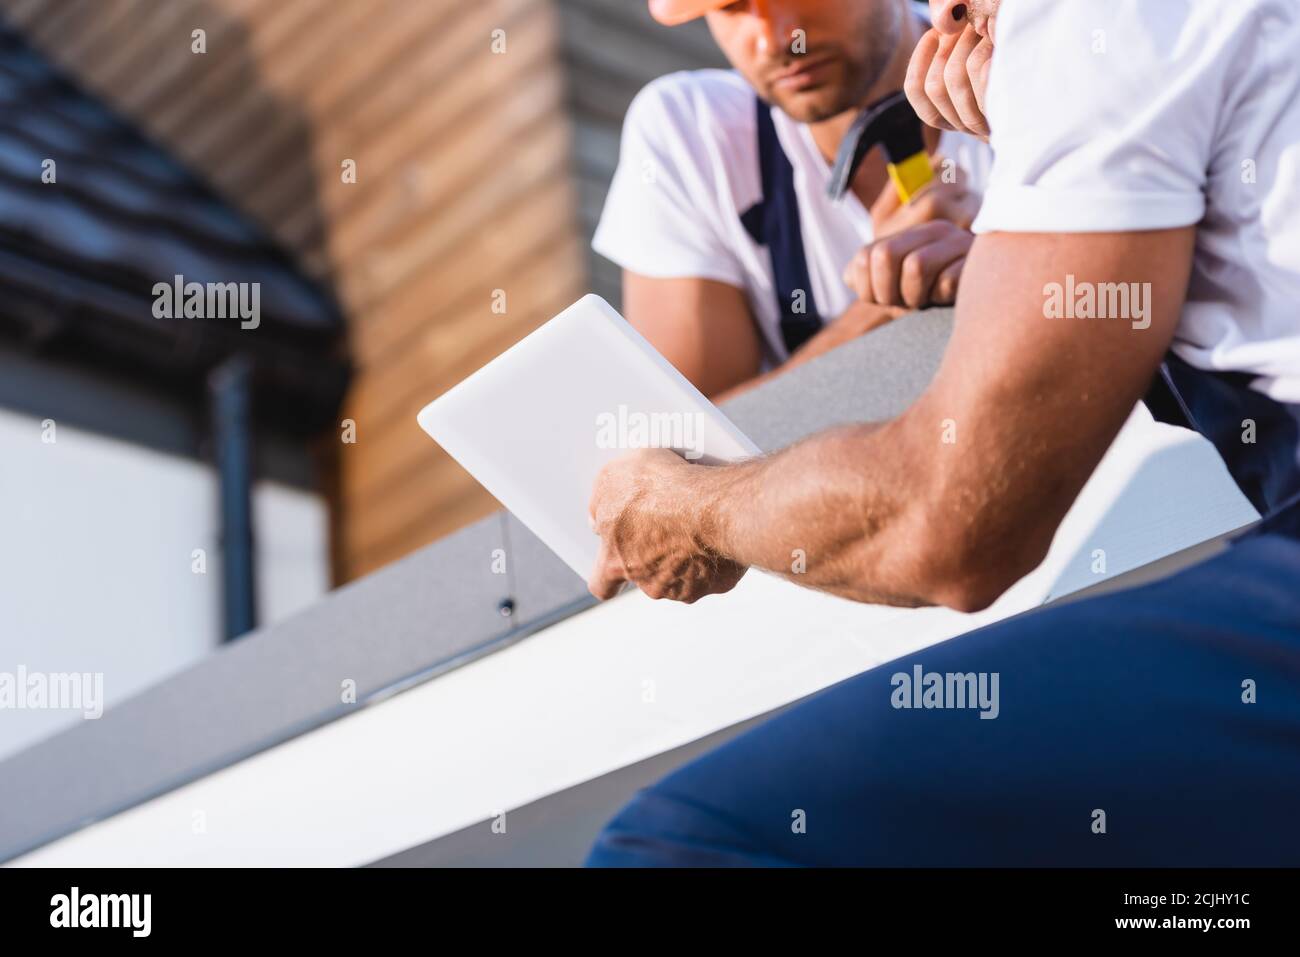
(672, 12)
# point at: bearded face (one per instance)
(814, 59)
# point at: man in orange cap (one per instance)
(673, 12)
(735, 259)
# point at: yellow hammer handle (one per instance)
(911, 175)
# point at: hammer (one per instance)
(892, 124)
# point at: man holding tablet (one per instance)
(1147, 142)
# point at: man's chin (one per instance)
(813, 106)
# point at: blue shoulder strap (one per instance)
(1257, 437)
(774, 222)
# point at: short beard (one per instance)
(883, 35)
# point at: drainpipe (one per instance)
(230, 395)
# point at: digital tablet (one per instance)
(536, 424)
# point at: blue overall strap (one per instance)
(1258, 437)
(774, 222)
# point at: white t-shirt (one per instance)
(1156, 114)
(688, 167)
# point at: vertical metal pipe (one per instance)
(230, 389)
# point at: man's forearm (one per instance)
(796, 360)
(822, 513)
(856, 321)
(957, 498)
(743, 387)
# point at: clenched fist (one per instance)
(916, 268)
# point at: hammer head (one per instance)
(893, 125)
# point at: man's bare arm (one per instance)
(853, 323)
(894, 512)
(703, 327)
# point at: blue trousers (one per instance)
(1153, 727)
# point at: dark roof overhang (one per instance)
(80, 257)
